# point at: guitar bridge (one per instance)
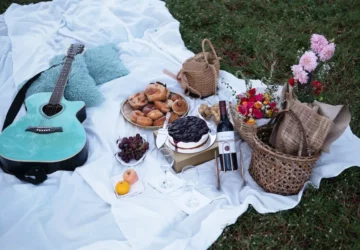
(44, 130)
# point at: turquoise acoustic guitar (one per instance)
(50, 136)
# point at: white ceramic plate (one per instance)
(132, 162)
(208, 144)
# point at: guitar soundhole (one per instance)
(51, 110)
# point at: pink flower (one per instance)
(299, 74)
(242, 110)
(302, 77)
(296, 69)
(259, 97)
(257, 114)
(327, 52)
(273, 105)
(250, 105)
(308, 61)
(252, 99)
(318, 42)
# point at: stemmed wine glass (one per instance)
(166, 158)
(191, 175)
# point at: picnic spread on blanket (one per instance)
(130, 141)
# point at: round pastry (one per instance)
(155, 114)
(188, 132)
(162, 106)
(174, 97)
(179, 107)
(138, 100)
(160, 121)
(155, 92)
(205, 111)
(215, 111)
(148, 108)
(169, 102)
(144, 121)
(135, 114)
(173, 117)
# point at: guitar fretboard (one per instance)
(61, 82)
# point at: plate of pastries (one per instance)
(148, 108)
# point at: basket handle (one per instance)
(303, 140)
(211, 47)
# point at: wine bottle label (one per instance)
(226, 142)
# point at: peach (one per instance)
(130, 176)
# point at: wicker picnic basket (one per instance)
(199, 74)
(277, 172)
(246, 131)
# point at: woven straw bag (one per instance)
(199, 74)
(246, 131)
(285, 136)
(277, 172)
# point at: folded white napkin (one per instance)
(181, 201)
(177, 183)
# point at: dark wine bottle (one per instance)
(226, 141)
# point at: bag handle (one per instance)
(205, 57)
(211, 47)
(215, 78)
(303, 139)
(181, 78)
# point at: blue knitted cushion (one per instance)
(80, 87)
(104, 64)
(98, 65)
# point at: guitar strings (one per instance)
(55, 107)
(44, 108)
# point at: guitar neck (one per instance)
(61, 82)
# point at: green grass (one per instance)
(251, 36)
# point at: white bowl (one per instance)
(132, 162)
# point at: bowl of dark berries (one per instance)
(132, 150)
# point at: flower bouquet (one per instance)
(252, 110)
(322, 123)
(312, 69)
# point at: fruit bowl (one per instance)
(133, 162)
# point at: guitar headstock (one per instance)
(76, 48)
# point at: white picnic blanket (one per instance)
(78, 210)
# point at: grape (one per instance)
(133, 147)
